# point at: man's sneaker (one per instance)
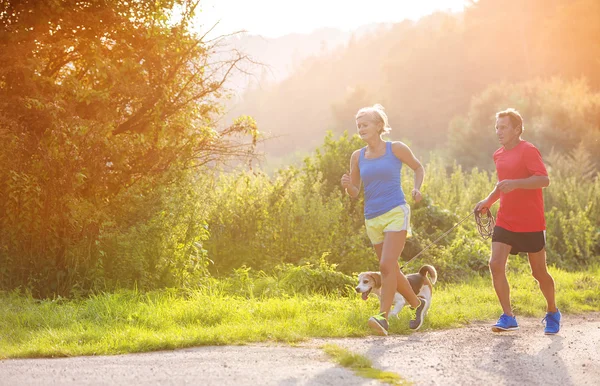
(417, 322)
(505, 323)
(379, 324)
(552, 322)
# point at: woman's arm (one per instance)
(351, 180)
(404, 154)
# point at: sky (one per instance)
(274, 18)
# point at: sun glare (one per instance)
(273, 18)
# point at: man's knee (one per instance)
(499, 258)
(540, 273)
(497, 265)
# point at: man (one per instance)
(520, 224)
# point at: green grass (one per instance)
(361, 365)
(128, 321)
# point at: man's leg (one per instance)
(391, 277)
(539, 270)
(500, 252)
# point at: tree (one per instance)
(99, 99)
(557, 115)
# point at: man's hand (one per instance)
(507, 186)
(416, 195)
(481, 205)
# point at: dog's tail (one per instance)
(431, 270)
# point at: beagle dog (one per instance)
(421, 282)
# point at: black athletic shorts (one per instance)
(520, 241)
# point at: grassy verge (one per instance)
(361, 365)
(128, 321)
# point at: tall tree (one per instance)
(98, 97)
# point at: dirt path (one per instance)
(475, 356)
(466, 356)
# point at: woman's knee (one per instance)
(386, 266)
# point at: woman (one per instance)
(387, 215)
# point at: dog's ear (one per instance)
(376, 278)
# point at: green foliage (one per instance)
(104, 108)
(158, 239)
(289, 280)
(321, 279)
(573, 209)
(261, 222)
(296, 216)
(332, 159)
(558, 115)
(283, 235)
(108, 112)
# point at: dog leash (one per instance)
(485, 226)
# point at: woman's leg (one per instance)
(392, 279)
(379, 252)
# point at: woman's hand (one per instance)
(416, 195)
(346, 181)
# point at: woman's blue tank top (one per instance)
(382, 179)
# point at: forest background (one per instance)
(128, 163)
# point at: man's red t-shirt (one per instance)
(521, 210)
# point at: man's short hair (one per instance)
(513, 115)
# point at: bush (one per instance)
(310, 278)
(289, 280)
(296, 216)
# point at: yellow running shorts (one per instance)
(395, 220)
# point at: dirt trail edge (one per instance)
(465, 356)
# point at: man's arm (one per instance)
(489, 200)
(533, 182)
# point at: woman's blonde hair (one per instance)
(377, 112)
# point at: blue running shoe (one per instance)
(505, 323)
(552, 320)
